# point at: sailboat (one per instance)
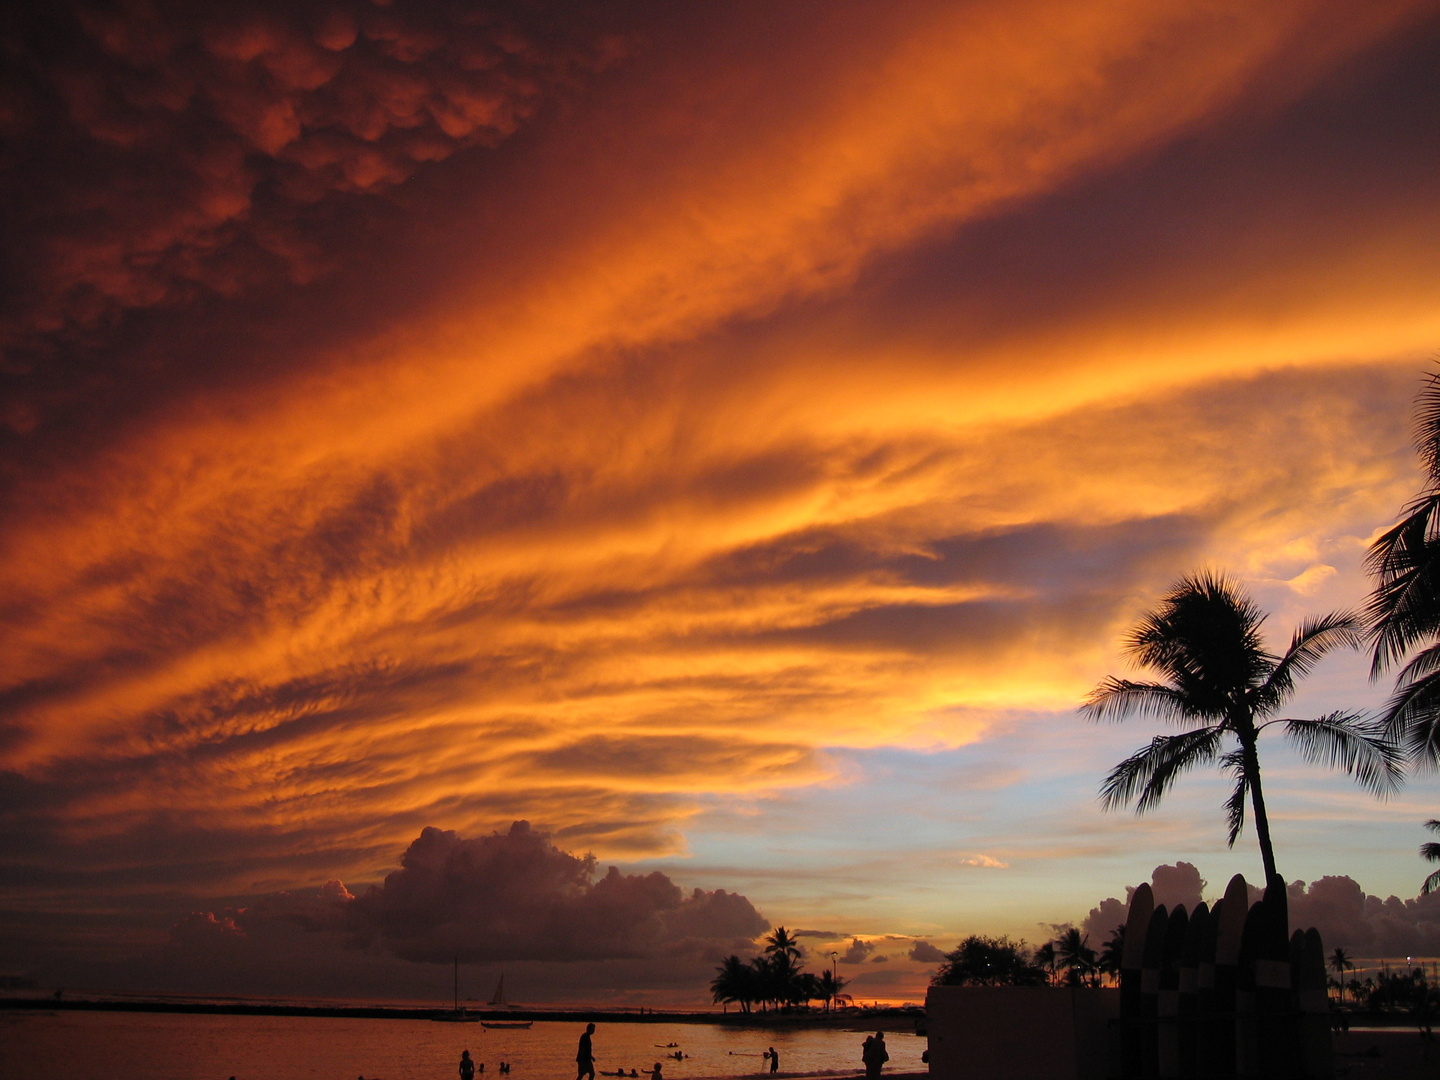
(499, 1001)
(459, 1016)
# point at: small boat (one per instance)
(459, 1016)
(506, 1023)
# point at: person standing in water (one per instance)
(467, 1067)
(585, 1055)
(874, 1055)
(774, 1061)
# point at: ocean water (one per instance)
(167, 1046)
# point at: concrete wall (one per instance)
(1022, 1033)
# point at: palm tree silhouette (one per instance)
(1111, 953)
(1404, 610)
(1340, 963)
(1220, 682)
(781, 945)
(830, 987)
(1074, 955)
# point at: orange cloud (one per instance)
(651, 451)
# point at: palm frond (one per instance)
(1431, 884)
(1234, 763)
(1349, 741)
(1311, 641)
(1426, 426)
(1425, 662)
(1147, 774)
(1404, 609)
(1412, 719)
(1116, 699)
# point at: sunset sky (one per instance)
(731, 438)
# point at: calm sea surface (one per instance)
(167, 1046)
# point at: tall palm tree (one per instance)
(831, 986)
(1404, 610)
(1220, 683)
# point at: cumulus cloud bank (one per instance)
(511, 896)
(1365, 926)
(516, 896)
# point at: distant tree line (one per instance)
(774, 980)
(998, 961)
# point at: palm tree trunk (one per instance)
(1262, 823)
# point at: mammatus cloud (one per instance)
(173, 153)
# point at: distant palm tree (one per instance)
(1045, 958)
(1075, 957)
(1340, 963)
(1111, 953)
(782, 946)
(734, 982)
(830, 987)
(1220, 682)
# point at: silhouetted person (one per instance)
(774, 1061)
(874, 1054)
(655, 1072)
(467, 1067)
(585, 1055)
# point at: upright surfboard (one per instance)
(1150, 993)
(1132, 964)
(1316, 1038)
(1277, 1032)
(1168, 1006)
(1247, 1056)
(1187, 1001)
(1205, 996)
(1233, 910)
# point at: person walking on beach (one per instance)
(585, 1055)
(774, 1061)
(467, 1067)
(874, 1055)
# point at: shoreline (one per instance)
(898, 1020)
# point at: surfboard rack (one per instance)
(1222, 992)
